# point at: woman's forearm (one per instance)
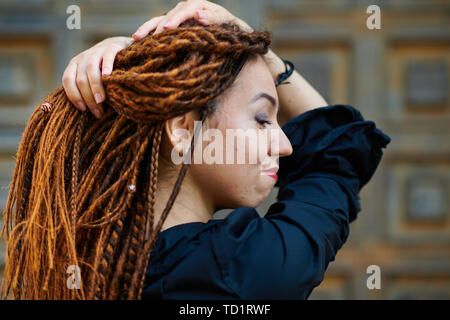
(297, 96)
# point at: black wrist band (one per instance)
(286, 74)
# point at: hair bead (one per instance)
(46, 107)
(131, 188)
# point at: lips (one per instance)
(272, 172)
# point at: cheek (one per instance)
(235, 184)
(232, 186)
(221, 180)
(249, 146)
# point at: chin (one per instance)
(245, 199)
(257, 200)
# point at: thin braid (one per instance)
(117, 229)
(127, 260)
(70, 201)
(153, 182)
(74, 191)
(142, 262)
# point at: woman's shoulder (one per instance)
(183, 234)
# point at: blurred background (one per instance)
(397, 76)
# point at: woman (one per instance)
(94, 194)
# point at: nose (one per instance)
(280, 145)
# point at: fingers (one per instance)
(202, 11)
(70, 86)
(146, 28)
(170, 20)
(164, 23)
(83, 85)
(202, 16)
(183, 11)
(82, 79)
(181, 15)
(184, 15)
(95, 83)
(108, 61)
(109, 55)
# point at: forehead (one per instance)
(256, 73)
(255, 77)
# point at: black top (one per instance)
(284, 254)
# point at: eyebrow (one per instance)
(267, 96)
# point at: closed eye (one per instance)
(262, 120)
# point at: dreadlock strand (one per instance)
(150, 209)
(147, 220)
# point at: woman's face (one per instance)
(243, 134)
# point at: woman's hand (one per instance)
(82, 77)
(203, 11)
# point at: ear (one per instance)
(180, 130)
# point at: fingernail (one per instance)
(201, 15)
(105, 71)
(98, 98)
(166, 25)
(81, 105)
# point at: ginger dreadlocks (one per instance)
(83, 190)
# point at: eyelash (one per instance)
(263, 121)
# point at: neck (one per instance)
(191, 203)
